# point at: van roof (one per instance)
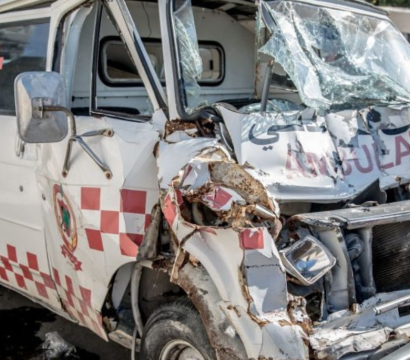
(7, 5)
(245, 7)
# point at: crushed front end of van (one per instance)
(298, 212)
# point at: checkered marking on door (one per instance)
(24, 273)
(77, 303)
(120, 214)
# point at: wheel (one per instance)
(175, 332)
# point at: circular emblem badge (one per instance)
(65, 218)
(66, 223)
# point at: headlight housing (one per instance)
(307, 260)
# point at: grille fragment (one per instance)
(391, 256)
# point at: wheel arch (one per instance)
(149, 282)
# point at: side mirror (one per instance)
(41, 100)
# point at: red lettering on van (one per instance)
(293, 165)
(317, 164)
(369, 166)
(346, 166)
(402, 149)
(364, 164)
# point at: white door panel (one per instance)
(96, 224)
(24, 264)
(23, 254)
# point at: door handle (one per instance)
(20, 147)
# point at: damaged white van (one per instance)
(210, 179)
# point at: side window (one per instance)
(23, 47)
(213, 63)
(116, 67)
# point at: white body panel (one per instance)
(23, 253)
(111, 215)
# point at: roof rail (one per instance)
(8, 5)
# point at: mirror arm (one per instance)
(75, 138)
(102, 132)
(104, 168)
(68, 156)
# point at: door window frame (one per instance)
(178, 82)
(142, 57)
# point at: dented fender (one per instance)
(234, 245)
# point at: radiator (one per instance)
(391, 256)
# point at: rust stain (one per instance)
(238, 314)
(163, 264)
(178, 125)
(299, 304)
(235, 177)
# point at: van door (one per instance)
(23, 253)
(97, 218)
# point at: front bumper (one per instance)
(376, 327)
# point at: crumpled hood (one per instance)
(325, 159)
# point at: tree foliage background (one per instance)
(402, 3)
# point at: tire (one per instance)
(175, 332)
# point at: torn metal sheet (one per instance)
(221, 199)
(203, 293)
(357, 331)
(252, 283)
(169, 165)
(322, 159)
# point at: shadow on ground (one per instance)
(23, 325)
(19, 338)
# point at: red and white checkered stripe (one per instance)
(24, 273)
(121, 213)
(110, 219)
(26, 276)
(77, 303)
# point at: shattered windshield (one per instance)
(337, 59)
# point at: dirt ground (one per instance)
(24, 324)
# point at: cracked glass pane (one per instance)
(190, 58)
(338, 59)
